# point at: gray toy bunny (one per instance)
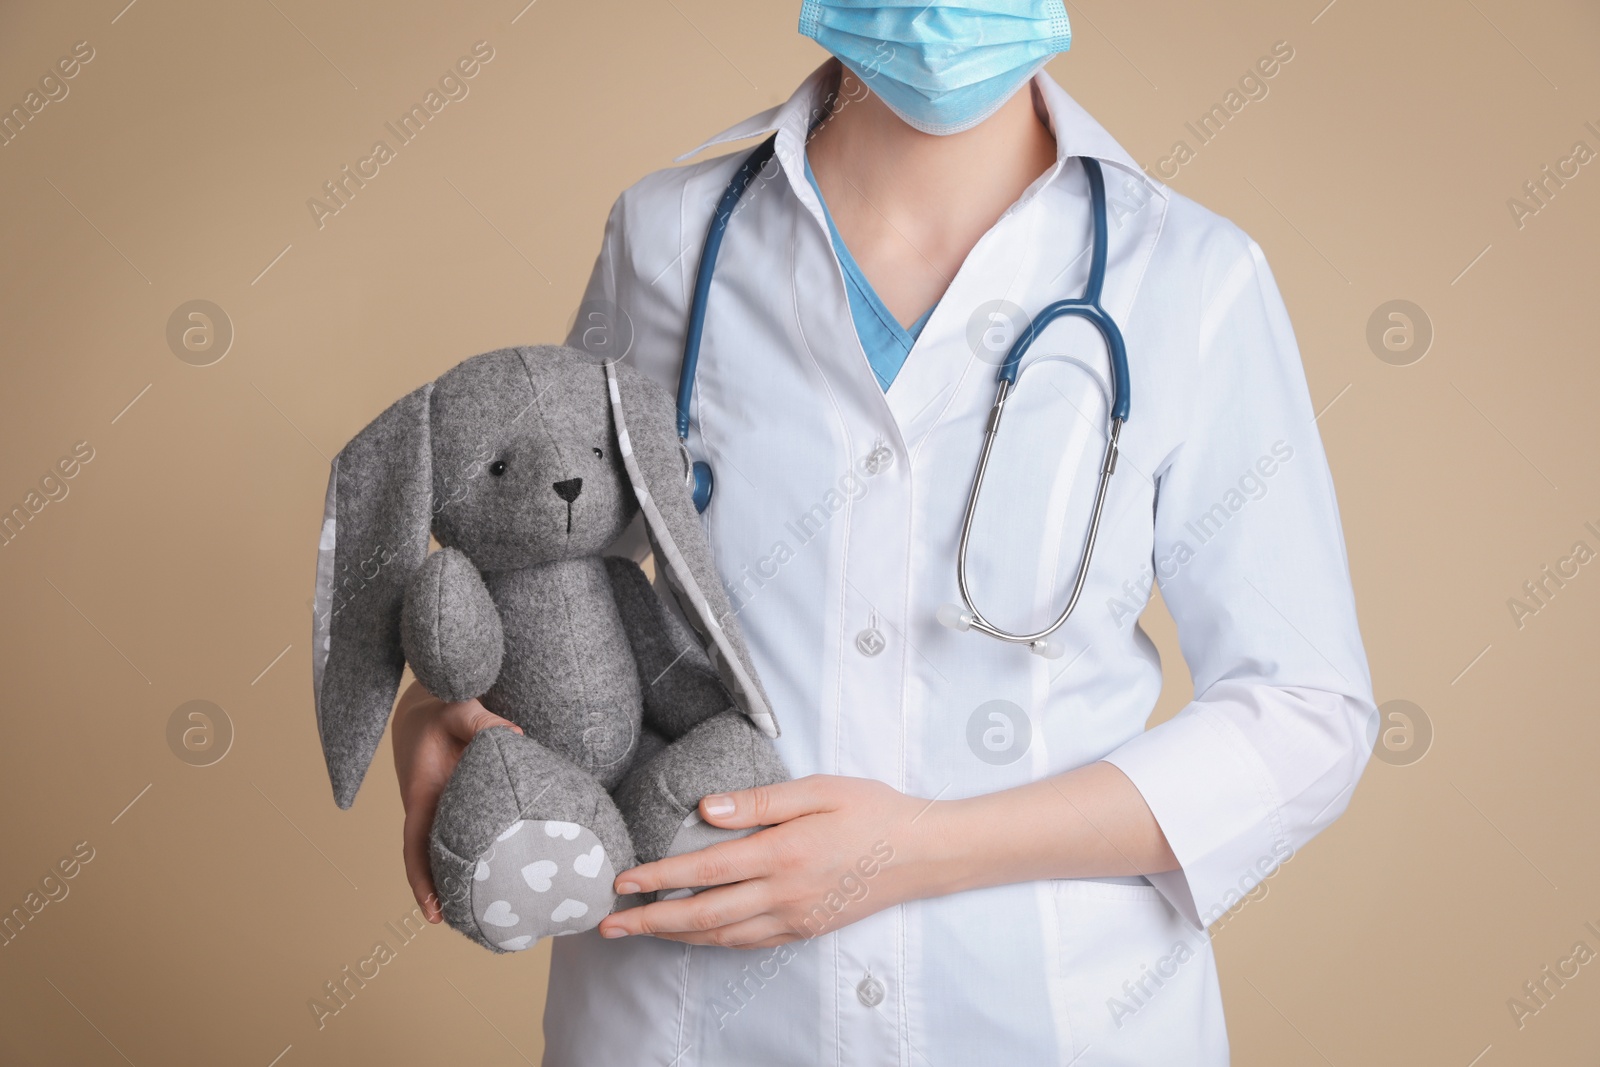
(525, 463)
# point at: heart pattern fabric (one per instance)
(499, 913)
(541, 878)
(538, 874)
(589, 863)
(569, 909)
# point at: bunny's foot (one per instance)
(524, 845)
(660, 797)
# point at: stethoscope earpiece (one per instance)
(954, 617)
(960, 619)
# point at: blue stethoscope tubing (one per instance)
(966, 617)
(700, 479)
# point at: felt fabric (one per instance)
(520, 463)
(657, 465)
(381, 485)
(450, 629)
(504, 778)
(569, 677)
(723, 753)
(650, 743)
(506, 427)
(678, 680)
(541, 878)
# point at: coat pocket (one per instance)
(1138, 983)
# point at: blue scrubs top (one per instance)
(885, 341)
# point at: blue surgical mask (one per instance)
(943, 68)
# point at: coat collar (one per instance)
(1075, 130)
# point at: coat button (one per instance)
(869, 991)
(877, 461)
(870, 642)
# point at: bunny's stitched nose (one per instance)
(569, 489)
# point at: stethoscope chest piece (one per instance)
(701, 484)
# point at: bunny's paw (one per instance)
(524, 845)
(541, 878)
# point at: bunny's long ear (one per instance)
(375, 527)
(647, 438)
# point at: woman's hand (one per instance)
(429, 736)
(834, 851)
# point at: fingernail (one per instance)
(613, 931)
(718, 805)
(627, 887)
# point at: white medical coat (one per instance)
(836, 516)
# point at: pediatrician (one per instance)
(986, 857)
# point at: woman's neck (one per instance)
(910, 206)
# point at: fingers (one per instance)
(763, 931)
(418, 872)
(708, 918)
(769, 942)
(413, 697)
(747, 857)
(464, 719)
(731, 861)
(768, 804)
(428, 738)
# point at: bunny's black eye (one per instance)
(497, 468)
(599, 453)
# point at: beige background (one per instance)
(180, 565)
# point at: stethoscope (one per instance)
(966, 615)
